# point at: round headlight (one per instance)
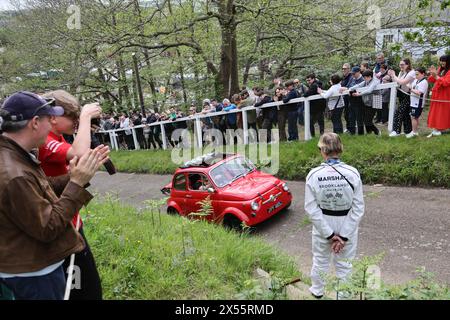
(285, 187)
(254, 205)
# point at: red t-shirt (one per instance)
(53, 157)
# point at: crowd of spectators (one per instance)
(364, 109)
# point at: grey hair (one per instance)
(330, 144)
(11, 126)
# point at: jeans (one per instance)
(48, 287)
(292, 125)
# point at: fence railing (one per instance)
(197, 118)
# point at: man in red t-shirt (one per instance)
(55, 155)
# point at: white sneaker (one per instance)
(412, 134)
(393, 134)
(434, 133)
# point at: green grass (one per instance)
(145, 255)
(390, 161)
(148, 255)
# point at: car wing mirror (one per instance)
(211, 190)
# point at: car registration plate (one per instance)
(276, 206)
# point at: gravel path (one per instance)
(410, 225)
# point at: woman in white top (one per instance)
(335, 103)
(406, 76)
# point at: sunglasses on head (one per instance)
(50, 102)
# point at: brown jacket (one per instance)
(35, 228)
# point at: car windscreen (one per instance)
(231, 170)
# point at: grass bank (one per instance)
(148, 255)
(391, 161)
(144, 254)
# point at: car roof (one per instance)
(207, 160)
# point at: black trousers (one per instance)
(319, 118)
(383, 114)
(336, 119)
(292, 125)
(157, 137)
(282, 118)
(251, 137)
(91, 288)
(356, 115)
(346, 111)
(149, 141)
(402, 114)
(129, 141)
(267, 125)
(369, 113)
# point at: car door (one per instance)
(198, 184)
(179, 191)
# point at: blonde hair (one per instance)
(330, 144)
(68, 102)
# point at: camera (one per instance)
(95, 122)
(95, 142)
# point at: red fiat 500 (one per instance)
(239, 193)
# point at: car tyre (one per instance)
(233, 223)
(288, 205)
(172, 211)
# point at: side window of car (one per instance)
(198, 182)
(179, 183)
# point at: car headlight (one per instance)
(285, 187)
(254, 205)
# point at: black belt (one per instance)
(335, 213)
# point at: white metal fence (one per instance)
(197, 118)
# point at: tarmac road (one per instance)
(410, 225)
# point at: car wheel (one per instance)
(233, 223)
(172, 211)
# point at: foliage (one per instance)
(195, 49)
(142, 256)
(364, 285)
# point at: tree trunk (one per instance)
(227, 82)
(124, 92)
(125, 98)
(183, 83)
(151, 81)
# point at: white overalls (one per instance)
(334, 207)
